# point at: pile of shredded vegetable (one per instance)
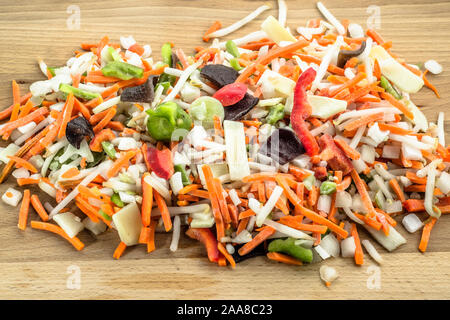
(279, 143)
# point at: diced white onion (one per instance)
(412, 223)
(433, 66)
(348, 247)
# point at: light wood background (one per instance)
(34, 264)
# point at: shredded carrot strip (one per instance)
(151, 237)
(265, 233)
(39, 208)
(400, 106)
(26, 181)
(109, 115)
(213, 196)
(147, 201)
(364, 121)
(214, 27)
(426, 232)
(276, 256)
(394, 129)
(189, 188)
(349, 151)
(225, 253)
(55, 229)
(359, 255)
(26, 109)
(398, 191)
(72, 172)
(222, 202)
(10, 126)
(24, 208)
(375, 36)
(119, 250)
(162, 206)
(429, 85)
(361, 187)
(67, 114)
(360, 76)
(272, 54)
(23, 163)
(121, 162)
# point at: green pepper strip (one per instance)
(79, 93)
(289, 247)
(234, 63)
(184, 176)
(109, 149)
(386, 85)
(122, 70)
(232, 48)
(115, 198)
(327, 187)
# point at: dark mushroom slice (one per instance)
(345, 55)
(238, 110)
(143, 93)
(77, 130)
(260, 250)
(175, 60)
(282, 146)
(219, 75)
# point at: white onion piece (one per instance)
(412, 223)
(372, 251)
(175, 234)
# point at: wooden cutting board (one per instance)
(39, 265)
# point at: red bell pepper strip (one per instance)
(231, 93)
(160, 162)
(339, 161)
(302, 110)
(205, 236)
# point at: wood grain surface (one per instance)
(37, 265)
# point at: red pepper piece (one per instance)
(160, 162)
(205, 236)
(339, 161)
(320, 173)
(231, 93)
(137, 49)
(302, 110)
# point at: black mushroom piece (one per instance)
(143, 93)
(219, 75)
(238, 110)
(345, 55)
(260, 250)
(282, 146)
(77, 129)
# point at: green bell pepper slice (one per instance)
(115, 198)
(109, 149)
(79, 93)
(328, 187)
(289, 247)
(122, 70)
(165, 119)
(386, 85)
(184, 175)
